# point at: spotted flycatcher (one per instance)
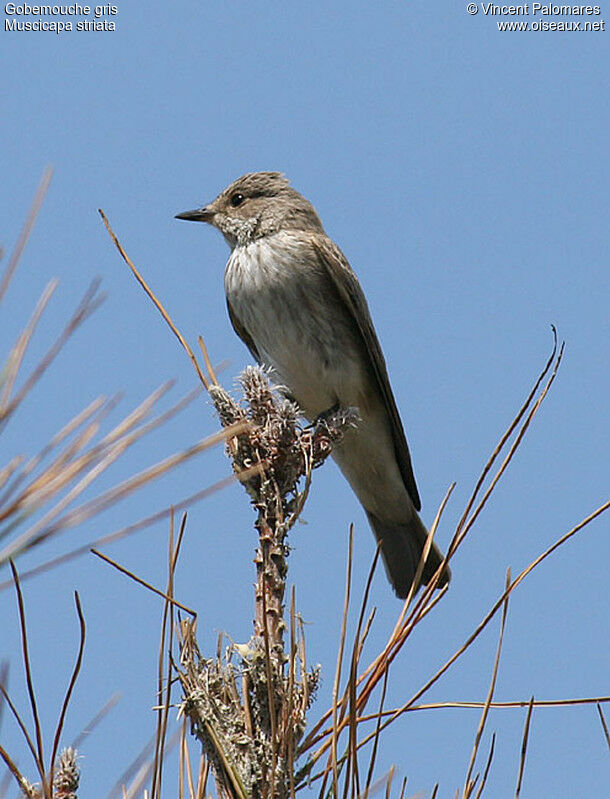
(297, 305)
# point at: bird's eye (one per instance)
(237, 199)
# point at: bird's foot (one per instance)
(326, 416)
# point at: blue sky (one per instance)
(464, 172)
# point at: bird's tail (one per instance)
(401, 548)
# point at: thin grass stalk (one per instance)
(509, 431)
(480, 627)
(130, 529)
(373, 758)
(515, 704)
(91, 410)
(314, 735)
(498, 604)
(184, 753)
(20, 347)
(71, 684)
(202, 777)
(603, 723)
(488, 763)
(169, 599)
(30, 684)
(467, 784)
(526, 732)
(43, 528)
(335, 694)
(14, 771)
(20, 724)
(460, 534)
(156, 302)
(26, 230)
(88, 305)
(399, 634)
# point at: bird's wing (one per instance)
(346, 282)
(242, 332)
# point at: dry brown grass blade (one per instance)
(403, 626)
(12, 767)
(26, 230)
(165, 645)
(81, 418)
(39, 756)
(90, 302)
(270, 684)
(321, 736)
(133, 528)
(5, 782)
(390, 779)
(11, 369)
(507, 434)
(140, 413)
(399, 627)
(332, 765)
(467, 525)
(352, 760)
(146, 476)
(373, 758)
(182, 763)
(20, 723)
(603, 723)
(490, 758)
(517, 703)
(526, 732)
(348, 700)
(292, 664)
(46, 527)
(142, 582)
(71, 684)
(351, 688)
(202, 779)
(9, 470)
(127, 432)
(422, 607)
(481, 626)
(206, 360)
(72, 460)
(185, 765)
(468, 784)
(4, 668)
(383, 661)
(155, 301)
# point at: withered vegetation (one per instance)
(249, 706)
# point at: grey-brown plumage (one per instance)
(298, 306)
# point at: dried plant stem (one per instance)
(250, 727)
(26, 230)
(271, 569)
(526, 732)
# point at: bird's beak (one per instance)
(205, 214)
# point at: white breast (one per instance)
(288, 304)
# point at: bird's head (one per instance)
(255, 205)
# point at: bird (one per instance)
(296, 303)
